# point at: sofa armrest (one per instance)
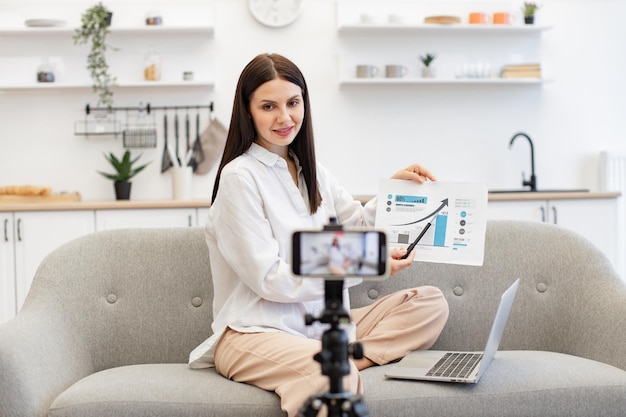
(40, 357)
(598, 324)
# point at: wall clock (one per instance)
(275, 13)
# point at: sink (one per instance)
(581, 190)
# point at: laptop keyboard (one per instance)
(455, 365)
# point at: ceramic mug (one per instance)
(395, 19)
(367, 19)
(366, 71)
(477, 18)
(395, 71)
(501, 18)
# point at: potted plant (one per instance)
(427, 59)
(529, 10)
(124, 171)
(95, 26)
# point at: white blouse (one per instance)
(248, 234)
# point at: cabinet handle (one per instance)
(543, 214)
(189, 220)
(19, 230)
(554, 218)
(6, 230)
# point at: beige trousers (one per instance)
(388, 330)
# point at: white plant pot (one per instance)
(428, 72)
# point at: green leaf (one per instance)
(123, 166)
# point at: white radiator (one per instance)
(613, 178)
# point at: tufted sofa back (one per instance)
(144, 295)
(564, 282)
(129, 296)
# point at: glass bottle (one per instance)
(152, 66)
(44, 72)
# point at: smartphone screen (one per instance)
(343, 253)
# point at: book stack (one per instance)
(521, 71)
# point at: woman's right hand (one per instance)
(397, 264)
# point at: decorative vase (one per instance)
(529, 20)
(122, 190)
(428, 72)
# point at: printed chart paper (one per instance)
(454, 215)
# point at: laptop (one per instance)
(464, 367)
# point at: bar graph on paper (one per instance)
(436, 238)
(456, 212)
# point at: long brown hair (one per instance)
(241, 134)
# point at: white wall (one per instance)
(365, 133)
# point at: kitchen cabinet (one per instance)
(27, 238)
(594, 219)
(183, 43)
(145, 218)
(203, 215)
(367, 29)
(7, 269)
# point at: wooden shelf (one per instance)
(361, 29)
(137, 84)
(441, 81)
(135, 30)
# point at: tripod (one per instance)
(334, 359)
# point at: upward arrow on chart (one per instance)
(444, 203)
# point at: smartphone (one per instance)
(340, 253)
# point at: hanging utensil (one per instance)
(176, 137)
(198, 153)
(187, 132)
(166, 163)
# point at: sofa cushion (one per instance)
(163, 390)
(518, 383)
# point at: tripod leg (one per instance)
(311, 407)
(358, 408)
(336, 407)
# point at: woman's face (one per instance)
(277, 110)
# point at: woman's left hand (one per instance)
(398, 264)
(416, 173)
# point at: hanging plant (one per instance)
(95, 26)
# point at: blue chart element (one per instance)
(441, 224)
(412, 199)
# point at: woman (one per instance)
(268, 185)
(338, 263)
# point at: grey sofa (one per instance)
(111, 318)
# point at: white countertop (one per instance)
(199, 203)
(104, 205)
(538, 195)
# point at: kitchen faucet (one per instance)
(533, 180)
